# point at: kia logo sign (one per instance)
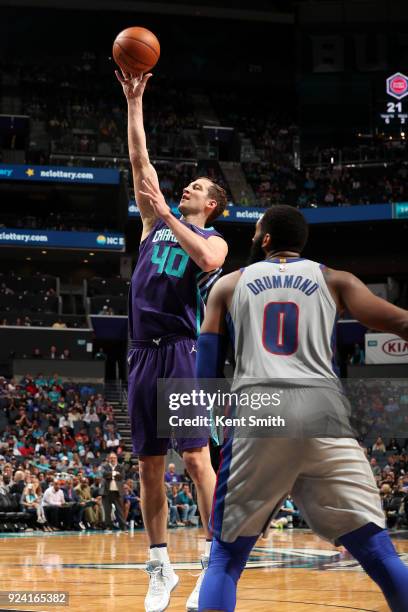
(395, 347)
(397, 85)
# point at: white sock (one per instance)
(207, 548)
(159, 553)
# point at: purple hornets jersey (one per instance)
(168, 290)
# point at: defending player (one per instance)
(283, 312)
(178, 263)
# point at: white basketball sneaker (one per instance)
(192, 601)
(163, 580)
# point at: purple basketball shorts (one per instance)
(148, 361)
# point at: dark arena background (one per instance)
(302, 103)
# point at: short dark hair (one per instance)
(217, 193)
(287, 227)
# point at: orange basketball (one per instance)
(136, 50)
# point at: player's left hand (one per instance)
(156, 198)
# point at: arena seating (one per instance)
(23, 299)
(110, 305)
(98, 286)
(85, 125)
(31, 405)
(106, 296)
(29, 303)
(50, 429)
(39, 284)
(41, 319)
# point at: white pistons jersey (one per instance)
(283, 321)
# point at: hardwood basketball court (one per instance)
(103, 572)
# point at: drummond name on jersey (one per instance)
(288, 281)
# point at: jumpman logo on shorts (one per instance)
(193, 349)
(157, 341)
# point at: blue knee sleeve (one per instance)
(219, 588)
(372, 547)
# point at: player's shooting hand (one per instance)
(133, 85)
(156, 198)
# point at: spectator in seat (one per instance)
(375, 467)
(379, 446)
(59, 324)
(63, 464)
(391, 504)
(31, 502)
(74, 414)
(109, 423)
(42, 463)
(58, 514)
(357, 356)
(36, 354)
(131, 504)
(66, 439)
(100, 355)
(77, 506)
(45, 482)
(64, 421)
(390, 465)
(82, 437)
(174, 516)
(58, 449)
(170, 477)
(96, 487)
(393, 445)
(286, 515)
(112, 441)
(391, 406)
(133, 473)
(403, 484)
(66, 354)
(93, 510)
(56, 380)
(186, 505)
(27, 450)
(54, 395)
(91, 416)
(22, 419)
(40, 381)
(18, 483)
(53, 464)
(53, 354)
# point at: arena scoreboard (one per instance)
(395, 113)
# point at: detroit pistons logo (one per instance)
(395, 347)
(397, 86)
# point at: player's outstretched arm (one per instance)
(372, 311)
(133, 87)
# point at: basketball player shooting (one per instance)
(179, 260)
(283, 330)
